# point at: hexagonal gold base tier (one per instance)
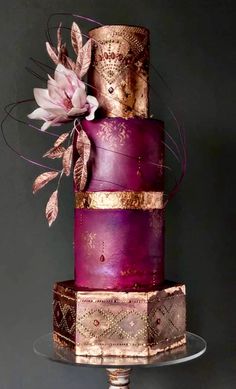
(103, 323)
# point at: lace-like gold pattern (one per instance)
(129, 324)
(119, 200)
(119, 71)
(116, 134)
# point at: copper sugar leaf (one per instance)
(43, 179)
(76, 38)
(52, 53)
(52, 208)
(67, 160)
(83, 145)
(55, 152)
(84, 59)
(61, 139)
(80, 174)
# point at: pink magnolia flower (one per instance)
(64, 99)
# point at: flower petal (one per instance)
(55, 93)
(90, 116)
(56, 122)
(52, 81)
(69, 78)
(92, 101)
(57, 111)
(79, 98)
(77, 111)
(72, 77)
(60, 120)
(93, 105)
(46, 125)
(39, 114)
(62, 81)
(43, 99)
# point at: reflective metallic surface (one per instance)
(119, 72)
(103, 323)
(119, 200)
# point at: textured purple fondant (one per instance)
(120, 250)
(127, 154)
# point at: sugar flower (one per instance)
(64, 99)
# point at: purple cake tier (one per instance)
(127, 154)
(119, 250)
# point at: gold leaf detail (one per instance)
(83, 146)
(76, 38)
(84, 59)
(43, 179)
(80, 174)
(115, 134)
(52, 208)
(55, 152)
(60, 55)
(67, 160)
(61, 139)
(52, 53)
(119, 200)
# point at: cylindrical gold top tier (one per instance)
(119, 72)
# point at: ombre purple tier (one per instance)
(127, 154)
(121, 250)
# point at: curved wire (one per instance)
(178, 153)
(13, 149)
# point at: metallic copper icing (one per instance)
(119, 200)
(117, 323)
(119, 72)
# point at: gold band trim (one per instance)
(119, 200)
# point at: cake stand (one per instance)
(119, 369)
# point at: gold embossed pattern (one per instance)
(135, 323)
(114, 138)
(119, 71)
(119, 200)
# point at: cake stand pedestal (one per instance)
(119, 369)
(119, 378)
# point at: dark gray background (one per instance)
(193, 47)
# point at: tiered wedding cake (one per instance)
(119, 302)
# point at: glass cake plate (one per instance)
(119, 368)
